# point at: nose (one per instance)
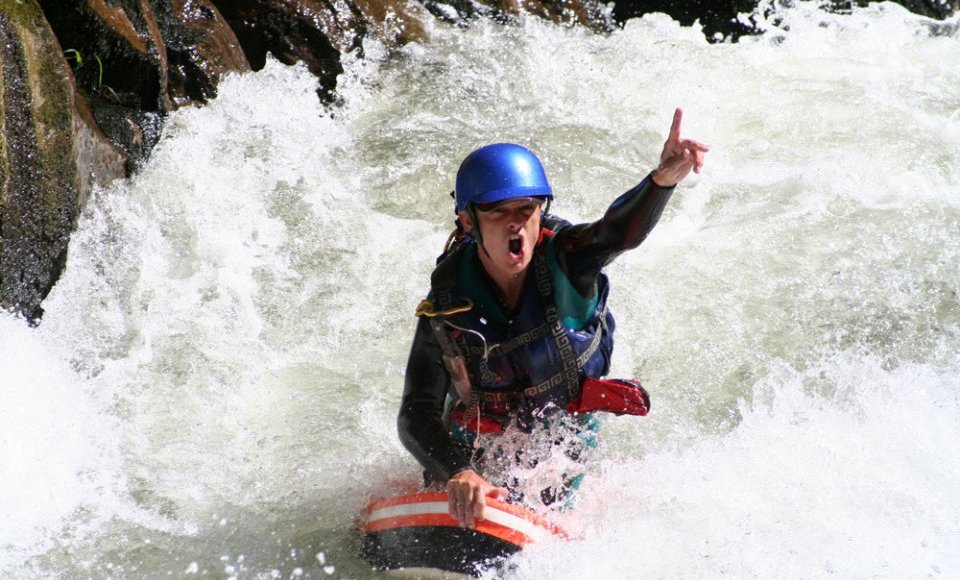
(516, 217)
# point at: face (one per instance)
(510, 231)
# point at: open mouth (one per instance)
(515, 245)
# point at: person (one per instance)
(515, 328)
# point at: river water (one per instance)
(213, 389)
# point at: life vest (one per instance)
(530, 366)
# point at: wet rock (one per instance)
(589, 13)
(721, 18)
(718, 17)
(149, 55)
(201, 48)
(571, 12)
(137, 60)
(318, 32)
(313, 32)
(51, 155)
(133, 131)
(939, 9)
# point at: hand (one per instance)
(467, 492)
(679, 156)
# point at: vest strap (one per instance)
(570, 372)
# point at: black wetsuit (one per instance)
(583, 251)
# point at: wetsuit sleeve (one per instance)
(583, 250)
(420, 422)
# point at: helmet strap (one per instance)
(475, 230)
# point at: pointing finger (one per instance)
(675, 127)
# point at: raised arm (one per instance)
(584, 250)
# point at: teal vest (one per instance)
(528, 365)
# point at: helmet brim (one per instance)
(511, 193)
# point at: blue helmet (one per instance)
(499, 172)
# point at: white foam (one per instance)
(55, 442)
(220, 367)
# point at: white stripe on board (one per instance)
(497, 516)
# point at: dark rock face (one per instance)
(140, 59)
(152, 55)
(720, 21)
(718, 17)
(67, 127)
(313, 32)
(201, 48)
(939, 9)
(47, 135)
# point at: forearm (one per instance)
(584, 250)
(420, 421)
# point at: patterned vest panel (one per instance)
(534, 364)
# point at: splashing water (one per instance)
(213, 389)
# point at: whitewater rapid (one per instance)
(213, 389)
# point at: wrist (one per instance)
(461, 471)
(659, 181)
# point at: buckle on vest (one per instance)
(428, 308)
